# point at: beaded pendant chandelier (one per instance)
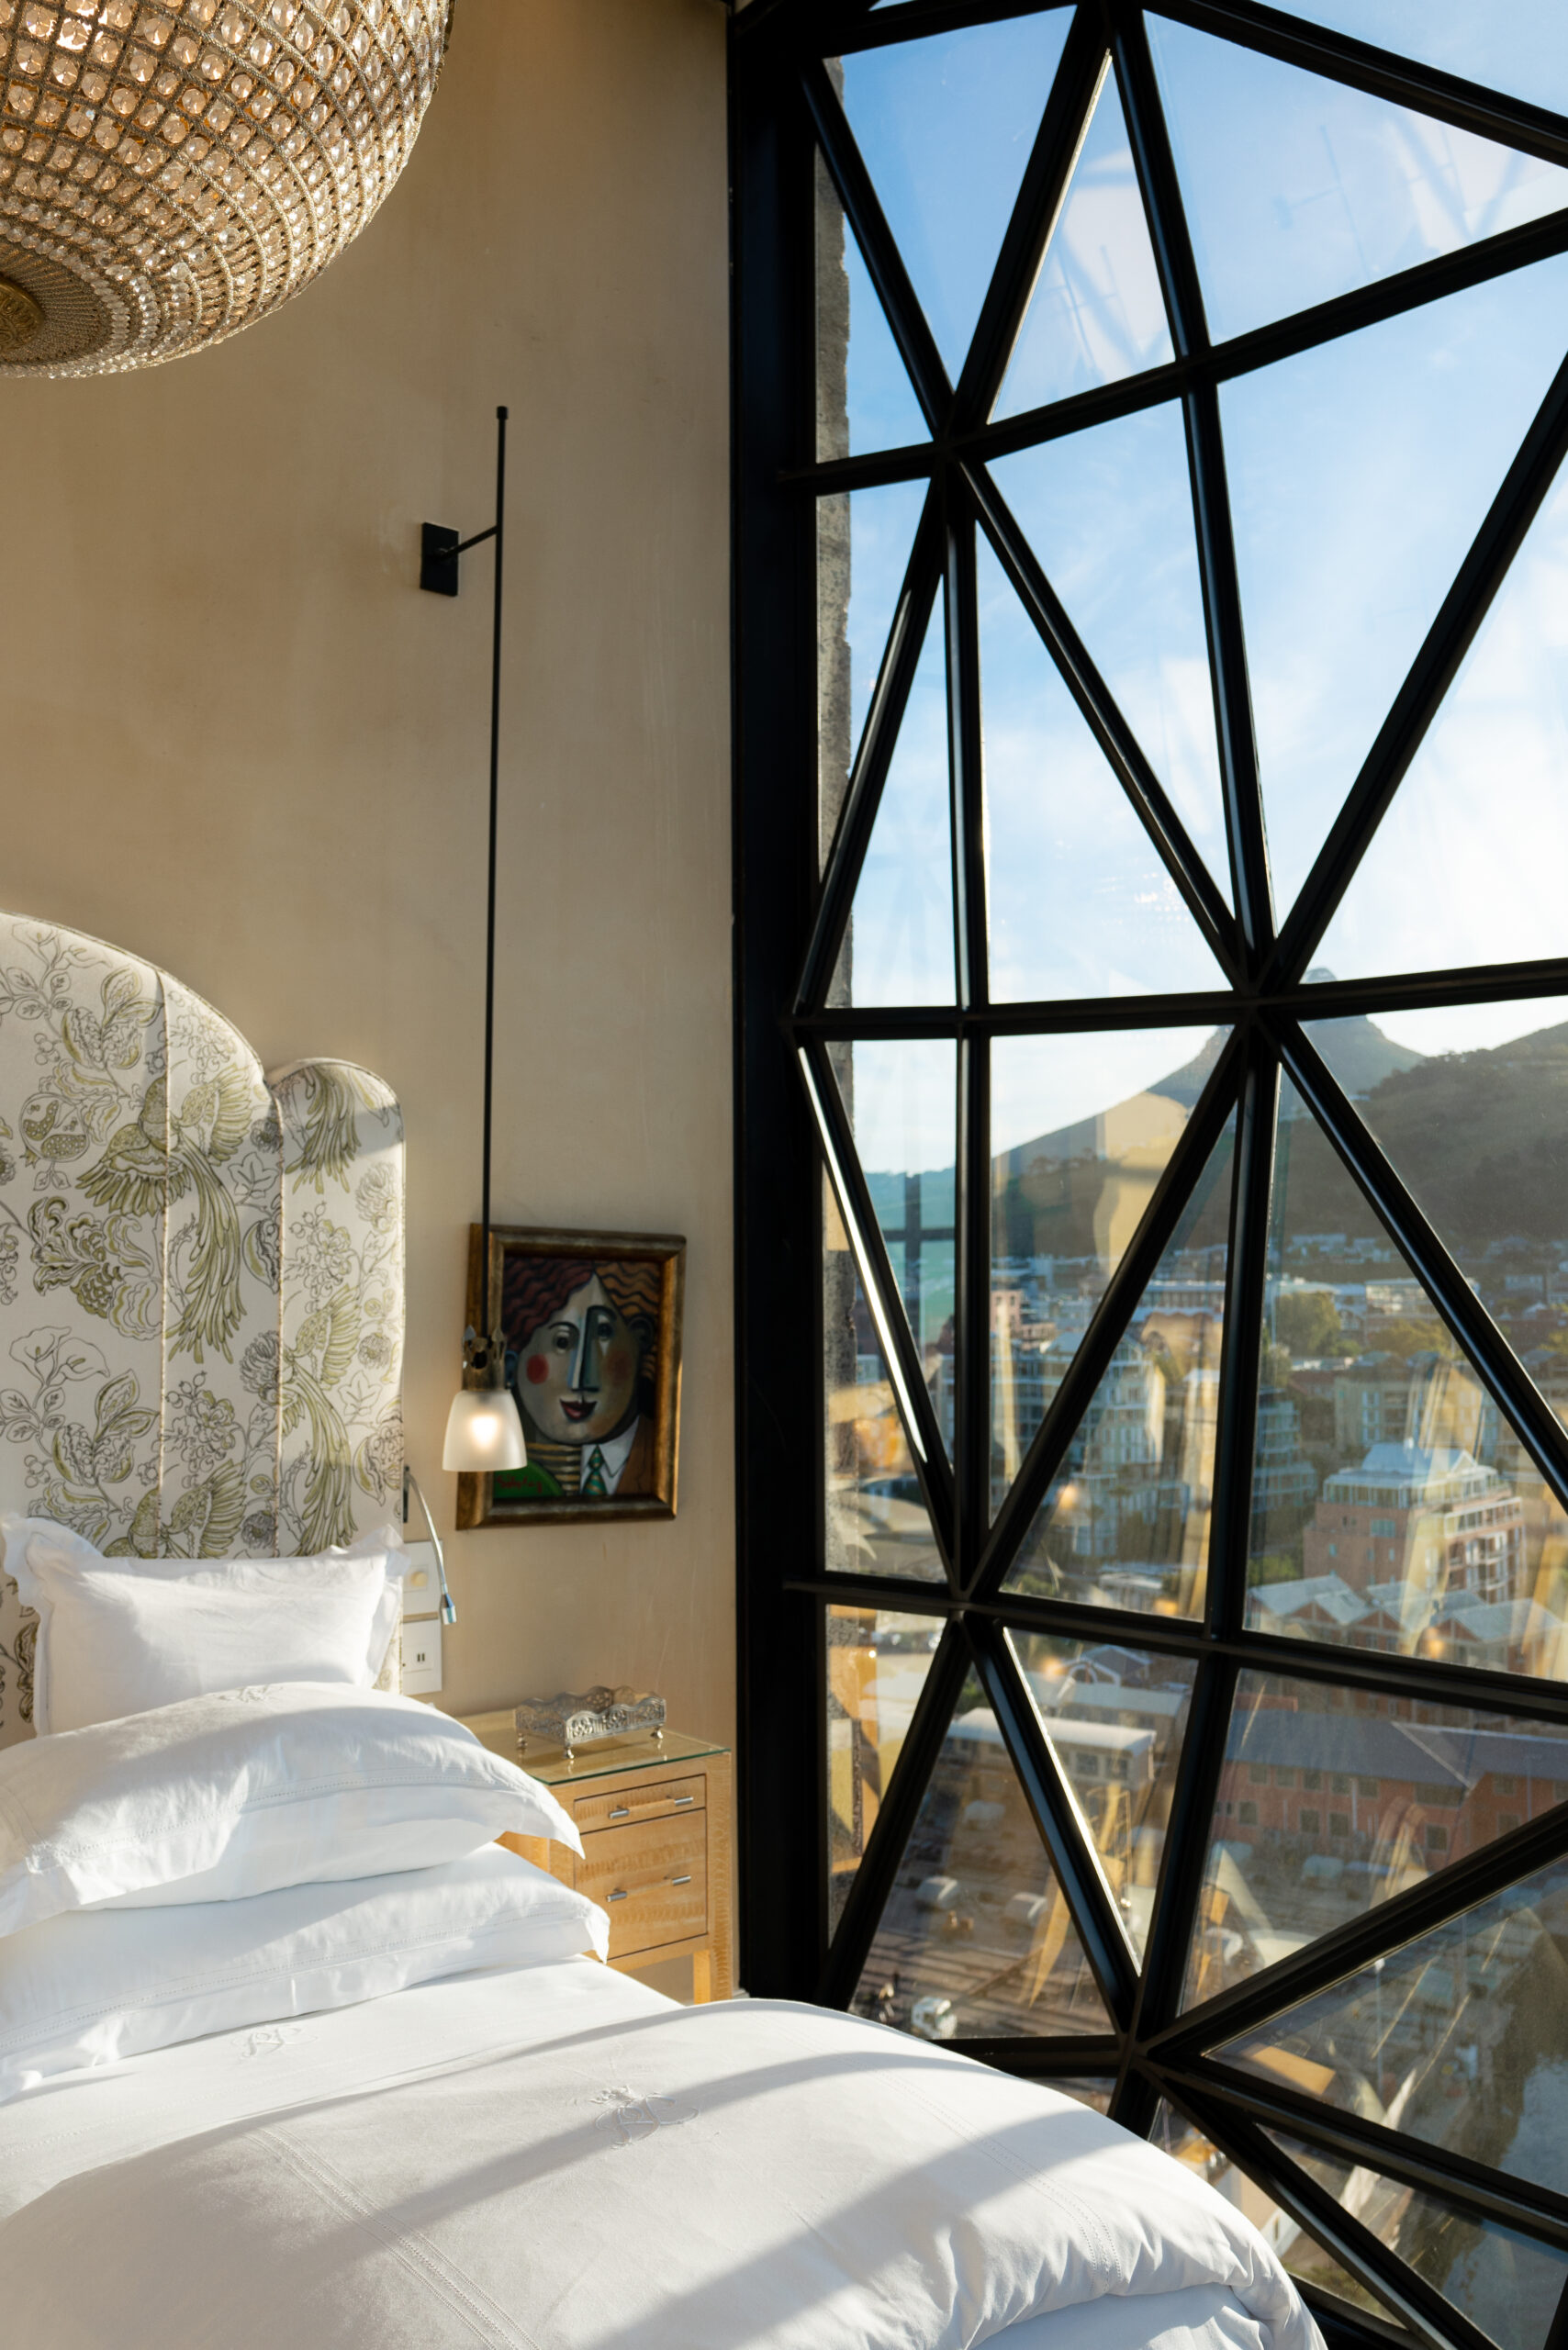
(171, 173)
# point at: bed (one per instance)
(290, 2087)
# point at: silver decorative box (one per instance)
(582, 1718)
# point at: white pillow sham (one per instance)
(97, 1986)
(120, 1636)
(220, 1797)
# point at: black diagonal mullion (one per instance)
(1464, 608)
(1211, 494)
(926, 1447)
(906, 642)
(1425, 2164)
(1107, 1325)
(1110, 728)
(1060, 1822)
(1331, 1958)
(1230, 1522)
(899, 1808)
(1383, 73)
(1353, 2245)
(1040, 197)
(1557, 2337)
(1500, 1368)
(884, 263)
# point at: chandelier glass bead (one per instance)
(170, 173)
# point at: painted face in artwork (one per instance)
(577, 1373)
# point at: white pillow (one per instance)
(217, 1798)
(97, 1985)
(120, 1636)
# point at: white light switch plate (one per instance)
(421, 1657)
(421, 1586)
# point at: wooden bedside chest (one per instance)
(654, 1816)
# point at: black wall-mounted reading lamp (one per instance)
(484, 1429)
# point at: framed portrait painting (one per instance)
(592, 1323)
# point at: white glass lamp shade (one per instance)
(484, 1432)
(172, 170)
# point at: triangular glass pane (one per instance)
(864, 399)
(1458, 2038)
(877, 1665)
(1115, 1717)
(902, 1098)
(947, 126)
(977, 1941)
(1343, 551)
(1394, 1504)
(1298, 188)
(1109, 513)
(1332, 1800)
(897, 944)
(1464, 867)
(1305, 2259)
(1081, 1128)
(1126, 1522)
(1096, 313)
(1079, 902)
(876, 1521)
(1507, 2284)
(864, 541)
(1522, 48)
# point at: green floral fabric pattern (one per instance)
(201, 1278)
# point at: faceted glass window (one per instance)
(898, 945)
(877, 1665)
(1109, 514)
(1081, 904)
(1507, 2284)
(1333, 1800)
(1344, 555)
(1298, 188)
(1115, 1717)
(1081, 1129)
(947, 126)
(1464, 867)
(1096, 313)
(864, 399)
(1125, 1522)
(1305, 2259)
(1460, 2038)
(977, 1941)
(903, 1103)
(876, 1517)
(1522, 48)
(1395, 1505)
(864, 538)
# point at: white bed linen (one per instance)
(555, 2158)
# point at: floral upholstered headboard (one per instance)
(201, 1277)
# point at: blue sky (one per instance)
(1358, 475)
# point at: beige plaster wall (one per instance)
(236, 740)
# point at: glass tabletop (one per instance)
(550, 1763)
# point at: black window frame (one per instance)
(788, 924)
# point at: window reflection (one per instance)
(1115, 1717)
(1460, 2038)
(1333, 1800)
(876, 1521)
(877, 1665)
(977, 1941)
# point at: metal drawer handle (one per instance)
(622, 1811)
(680, 1800)
(617, 1895)
(682, 1880)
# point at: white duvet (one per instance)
(555, 2158)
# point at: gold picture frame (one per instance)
(593, 1329)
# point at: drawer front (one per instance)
(651, 1878)
(667, 1799)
